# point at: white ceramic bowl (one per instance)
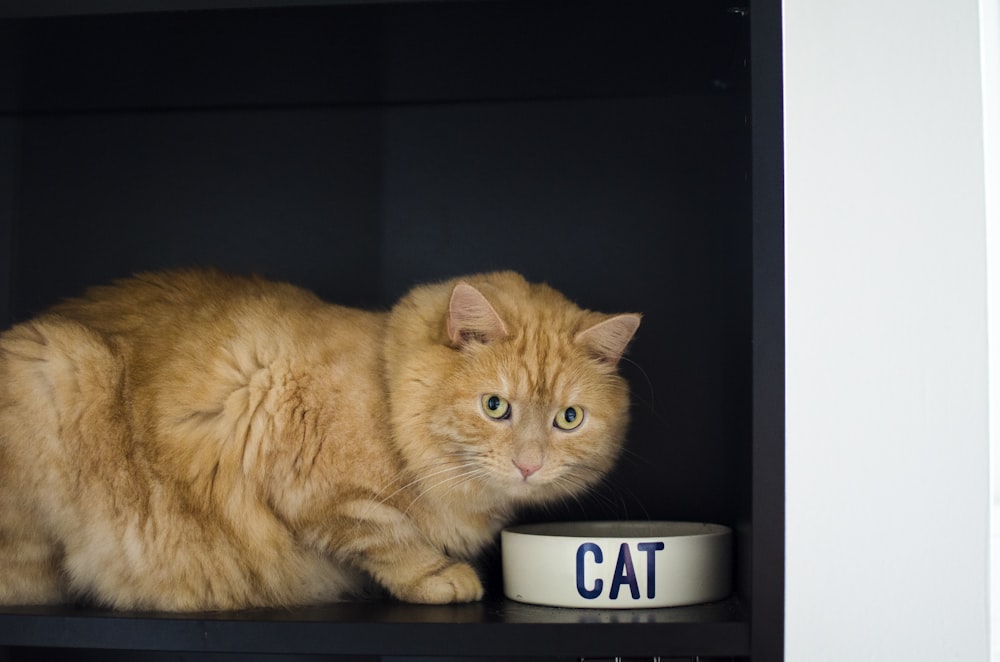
(618, 565)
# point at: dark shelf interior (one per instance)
(364, 53)
(358, 148)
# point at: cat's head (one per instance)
(504, 392)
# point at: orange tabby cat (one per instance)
(189, 440)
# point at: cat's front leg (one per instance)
(383, 542)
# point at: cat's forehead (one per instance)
(542, 365)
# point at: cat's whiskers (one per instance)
(629, 455)
(651, 403)
(390, 482)
(605, 479)
(576, 484)
(376, 501)
(566, 493)
(471, 472)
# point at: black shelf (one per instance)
(346, 145)
(367, 53)
(498, 628)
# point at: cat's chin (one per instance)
(532, 490)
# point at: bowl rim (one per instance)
(618, 530)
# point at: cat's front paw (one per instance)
(457, 582)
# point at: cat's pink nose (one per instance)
(527, 468)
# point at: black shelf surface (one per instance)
(501, 627)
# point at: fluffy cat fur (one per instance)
(190, 440)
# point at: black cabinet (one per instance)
(628, 152)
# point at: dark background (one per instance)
(359, 149)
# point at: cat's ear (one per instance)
(472, 317)
(608, 338)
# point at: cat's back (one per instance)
(171, 302)
(162, 319)
(165, 344)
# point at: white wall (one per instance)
(989, 29)
(886, 332)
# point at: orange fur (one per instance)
(190, 440)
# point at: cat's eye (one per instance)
(495, 406)
(569, 418)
